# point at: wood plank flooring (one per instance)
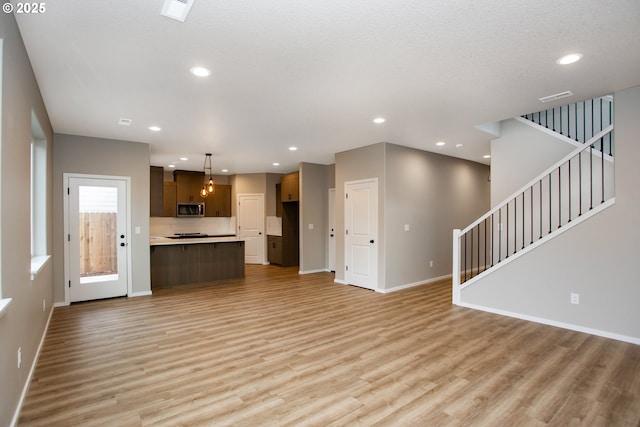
(279, 349)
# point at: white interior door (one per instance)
(331, 264)
(361, 233)
(251, 223)
(97, 238)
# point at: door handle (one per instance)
(123, 244)
(371, 241)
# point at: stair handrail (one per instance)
(540, 176)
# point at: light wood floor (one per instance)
(281, 349)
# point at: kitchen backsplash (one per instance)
(162, 227)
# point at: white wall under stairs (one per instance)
(596, 259)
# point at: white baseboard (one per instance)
(16, 414)
(569, 326)
(139, 294)
(322, 270)
(342, 282)
(61, 304)
(411, 285)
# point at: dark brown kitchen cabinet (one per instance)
(274, 252)
(156, 178)
(289, 187)
(218, 203)
(169, 199)
(196, 263)
(188, 185)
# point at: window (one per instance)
(39, 233)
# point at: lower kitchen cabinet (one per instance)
(194, 263)
(274, 252)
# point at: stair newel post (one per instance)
(455, 276)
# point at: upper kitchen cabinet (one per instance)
(188, 185)
(218, 203)
(169, 202)
(289, 187)
(156, 193)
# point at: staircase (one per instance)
(570, 191)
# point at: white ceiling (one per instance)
(315, 73)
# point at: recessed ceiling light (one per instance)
(441, 143)
(569, 59)
(276, 164)
(486, 156)
(293, 148)
(200, 71)
(225, 170)
(155, 128)
(378, 120)
(184, 158)
(458, 145)
(125, 122)
(172, 166)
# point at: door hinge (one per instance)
(347, 232)
(346, 195)
(69, 283)
(346, 267)
(68, 237)
(68, 191)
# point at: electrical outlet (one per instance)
(575, 298)
(19, 357)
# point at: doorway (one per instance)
(96, 237)
(331, 259)
(361, 233)
(251, 222)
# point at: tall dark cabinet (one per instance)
(285, 250)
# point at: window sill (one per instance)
(4, 304)
(37, 264)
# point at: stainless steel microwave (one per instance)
(190, 210)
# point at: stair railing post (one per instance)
(455, 274)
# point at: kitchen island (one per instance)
(177, 261)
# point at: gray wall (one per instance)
(24, 322)
(86, 155)
(314, 195)
(596, 259)
(433, 194)
(519, 155)
(430, 192)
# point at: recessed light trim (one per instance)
(441, 143)
(225, 170)
(379, 120)
(200, 71)
(293, 148)
(569, 59)
(155, 128)
(171, 165)
(184, 158)
(276, 164)
(486, 156)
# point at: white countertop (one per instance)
(161, 240)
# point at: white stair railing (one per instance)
(567, 192)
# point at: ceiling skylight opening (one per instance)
(379, 120)
(200, 71)
(441, 143)
(155, 128)
(569, 59)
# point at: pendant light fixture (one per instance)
(208, 187)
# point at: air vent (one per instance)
(125, 122)
(176, 9)
(560, 95)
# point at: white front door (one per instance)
(361, 233)
(96, 237)
(251, 220)
(331, 264)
